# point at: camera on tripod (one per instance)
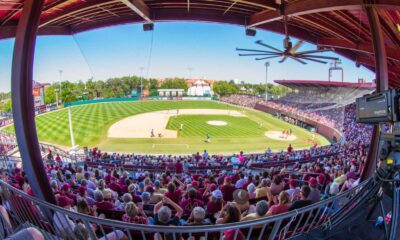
(383, 107)
(380, 107)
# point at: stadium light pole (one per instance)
(141, 82)
(61, 72)
(190, 72)
(266, 80)
(56, 90)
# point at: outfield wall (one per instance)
(331, 133)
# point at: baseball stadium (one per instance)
(126, 127)
(189, 158)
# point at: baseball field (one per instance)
(170, 127)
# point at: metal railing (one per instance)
(55, 222)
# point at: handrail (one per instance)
(318, 209)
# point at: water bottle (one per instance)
(379, 221)
(388, 217)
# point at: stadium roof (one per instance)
(341, 24)
(323, 84)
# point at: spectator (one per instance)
(215, 205)
(293, 191)
(173, 193)
(251, 189)
(263, 189)
(303, 202)
(190, 203)
(283, 204)
(241, 198)
(100, 203)
(227, 189)
(81, 233)
(197, 217)
(162, 213)
(62, 223)
(230, 213)
(126, 198)
(314, 195)
(83, 207)
(134, 214)
(261, 211)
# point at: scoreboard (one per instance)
(38, 94)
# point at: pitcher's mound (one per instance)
(277, 135)
(217, 123)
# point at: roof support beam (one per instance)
(11, 14)
(89, 4)
(23, 108)
(392, 53)
(139, 7)
(312, 6)
(382, 84)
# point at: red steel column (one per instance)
(22, 100)
(382, 83)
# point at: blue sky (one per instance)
(209, 49)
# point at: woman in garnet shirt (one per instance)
(282, 206)
(173, 193)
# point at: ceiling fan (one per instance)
(289, 51)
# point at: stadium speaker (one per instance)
(250, 32)
(148, 27)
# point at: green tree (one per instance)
(174, 83)
(50, 95)
(223, 88)
(8, 106)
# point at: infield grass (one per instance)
(91, 123)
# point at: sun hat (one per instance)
(241, 196)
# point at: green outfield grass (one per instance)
(91, 123)
(198, 127)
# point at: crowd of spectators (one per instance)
(331, 118)
(5, 121)
(243, 100)
(172, 194)
(7, 143)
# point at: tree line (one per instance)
(122, 87)
(225, 88)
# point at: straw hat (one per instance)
(241, 196)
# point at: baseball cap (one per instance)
(213, 187)
(81, 190)
(312, 181)
(65, 187)
(156, 183)
(195, 184)
(228, 179)
(149, 189)
(217, 193)
(64, 201)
